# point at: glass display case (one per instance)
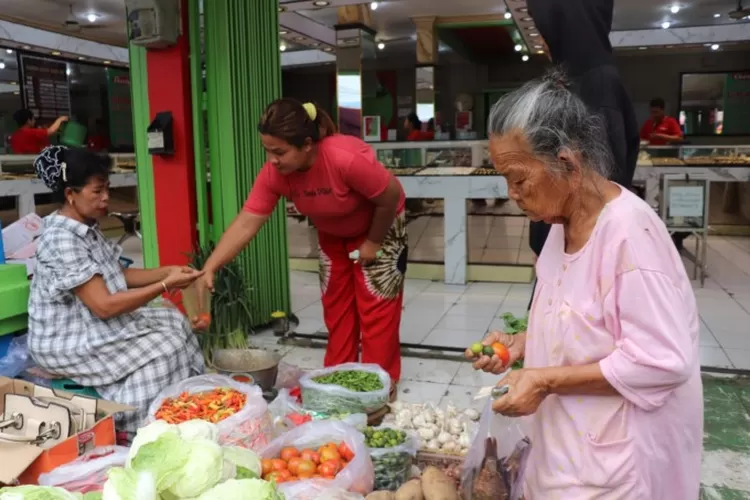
(694, 155)
(407, 155)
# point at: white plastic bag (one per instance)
(332, 399)
(357, 476)
(511, 448)
(87, 473)
(393, 465)
(249, 428)
(285, 405)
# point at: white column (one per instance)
(455, 239)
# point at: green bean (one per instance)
(354, 380)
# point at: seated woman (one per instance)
(89, 318)
(611, 380)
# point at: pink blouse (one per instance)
(623, 301)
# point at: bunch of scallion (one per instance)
(231, 317)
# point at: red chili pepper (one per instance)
(213, 406)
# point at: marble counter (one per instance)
(455, 190)
(24, 190)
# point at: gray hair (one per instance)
(553, 120)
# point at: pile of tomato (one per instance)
(296, 465)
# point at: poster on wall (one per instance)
(737, 103)
(46, 92)
(120, 108)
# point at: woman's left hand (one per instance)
(527, 390)
(368, 253)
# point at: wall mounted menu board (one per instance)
(45, 87)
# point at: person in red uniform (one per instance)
(357, 206)
(660, 130)
(413, 128)
(28, 139)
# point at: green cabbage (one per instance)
(31, 492)
(243, 489)
(165, 458)
(202, 471)
(198, 429)
(248, 463)
(149, 434)
(129, 484)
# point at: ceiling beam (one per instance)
(54, 28)
(307, 27)
(699, 35)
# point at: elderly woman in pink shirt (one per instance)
(611, 389)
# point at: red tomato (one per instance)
(278, 464)
(345, 452)
(288, 453)
(267, 465)
(327, 470)
(310, 455)
(329, 454)
(306, 468)
(293, 464)
(501, 352)
(274, 477)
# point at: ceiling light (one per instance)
(282, 9)
(538, 47)
(675, 9)
(16, 92)
(534, 34)
(81, 58)
(67, 71)
(55, 53)
(642, 48)
(283, 32)
(716, 16)
(315, 44)
(14, 83)
(2, 65)
(298, 38)
(540, 52)
(91, 18)
(665, 25)
(518, 47)
(328, 49)
(26, 47)
(321, 3)
(107, 62)
(526, 19)
(374, 6)
(523, 9)
(507, 15)
(282, 47)
(525, 58)
(381, 46)
(715, 46)
(9, 51)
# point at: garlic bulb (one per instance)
(451, 411)
(396, 406)
(464, 441)
(428, 415)
(419, 421)
(449, 446)
(444, 437)
(433, 444)
(426, 433)
(472, 414)
(405, 415)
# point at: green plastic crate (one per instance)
(14, 298)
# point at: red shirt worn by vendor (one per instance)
(666, 126)
(29, 141)
(335, 192)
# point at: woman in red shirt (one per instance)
(358, 208)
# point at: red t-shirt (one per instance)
(418, 135)
(334, 193)
(667, 125)
(29, 141)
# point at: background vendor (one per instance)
(29, 139)
(356, 205)
(89, 319)
(660, 129)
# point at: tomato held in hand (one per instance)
(501, 352)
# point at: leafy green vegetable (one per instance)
(198, 429)
(202, 470)
(165, 458)
(31, 492)
(243, 473)
(354, 380)
(128, 484)
(247, 462)
(513, 324)
(149, 434)
(243, 489)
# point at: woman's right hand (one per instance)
(516, 345)
(181, 277)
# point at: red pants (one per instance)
(362, 305)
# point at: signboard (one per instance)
(737, 103)
(686, 201)
(45, 87)
(120, 108)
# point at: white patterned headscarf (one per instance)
(50, 167)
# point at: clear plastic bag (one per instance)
(251, 427)
(17, 359)
(393, 465)
(288, 376)
(88, 473)
(331, 399)
(287, 413)
(357, 476)
(494, 466)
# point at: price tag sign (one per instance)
(686, 201)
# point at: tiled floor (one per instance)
(497, 234)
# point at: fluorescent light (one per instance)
(507, 15)
(665, 25)
(525, 58)
(518, 47)
(282, 47)
(374, 6)
(534, 34)
(716, 16)
(715, 46)
(381, 46)
(67, 71)
(91, 18)
(321, 3)
(9, 51)
(2, 65)
(55, 53)
(675, 9)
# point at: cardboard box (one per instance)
(24, 463)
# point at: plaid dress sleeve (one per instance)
(128, 359)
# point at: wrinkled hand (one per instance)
(368, 253)
(527, 390)
(181, 277)
(205, 282)
(516, 345)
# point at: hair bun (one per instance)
(557, 77)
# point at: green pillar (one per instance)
(145, 170)
(243, 75)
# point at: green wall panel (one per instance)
(145, 170)
(243, 75)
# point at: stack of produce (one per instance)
(392, 452)
(347, 388)
(213, 406)
(293, 464)
(433, 485)
(446, 431)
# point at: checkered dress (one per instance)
(128, 359)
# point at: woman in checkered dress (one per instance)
(89, 319)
